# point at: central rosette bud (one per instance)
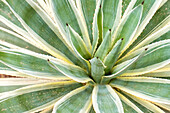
(97, 69)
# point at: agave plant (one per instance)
(80, 56)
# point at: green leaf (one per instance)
(13, 40)
(128, 109)
(149, 9)
(36, 100)
(29, 63)
(78, 44)
(35, 25)
(111, 15)
(147, 104)
(156, 20)
(95, 28)
(80, 48)
(106, 100)
(128, 106)
(70, 103)
(154, 36)
(8, 71)
(157, 57)
(97, 69)
(88, 9)
(123, 67)
(48, 18)
(142, 108)
(82, 23)
(150, 47)
(144, 79)
(72, 71)
(7, 13)
(64, 14)
(100, 21)
(157, 74)
(104, 47)
(152, 91)
(130, 5)
(162, 24)
(159, 16)
(112, 56)
(128, 27)
(22, 81)
(8, 84)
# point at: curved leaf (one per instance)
(139, 106)
(64, 14)
(95, 28)
(111, 15)
(35, 24)
(78, 43)
(82, 24)
(22, 81)
(144, 79)
(7, 13)
(150, 47)
(149, 9)
(87, 8)
(8, 71)
(106, 100)
(112, 56)
(129, 7)
(72, 71)
(158, 17)
(153, 36)
(70, 103)
(29, 63)
(104, 47)
(123, 67)
(131, 20)
(33, 101)
(154, 59)
(128, 106)
(147, 104)
(154, 92)
(13, 40)
(80, 48)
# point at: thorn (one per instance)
(109, 29)
(84, 84)
(100, 6)
(97, 57)
(142, 2)
(146, 49)
(48, 60)
(66, 24)
(122, 38)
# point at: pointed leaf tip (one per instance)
(143, 2)
(66, 24)
(100, 6)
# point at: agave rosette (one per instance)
(71, 56)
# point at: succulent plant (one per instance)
(85, 56)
